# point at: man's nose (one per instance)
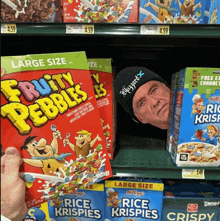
(154, 102)
(42, 142)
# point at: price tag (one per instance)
(8, 29)
(193, 173)
(80, 29)
(154, 30)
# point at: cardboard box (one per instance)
(178, 12)
(100, 11)
(50, 114)
(197, 118)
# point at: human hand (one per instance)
(57, 134)
(99, 138)
(13, 205)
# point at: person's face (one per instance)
(200, 105)
(211, 133)
(39, 148)
(115, 199)
(151, 104)
(82, 139)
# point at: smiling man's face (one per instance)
(151, 104)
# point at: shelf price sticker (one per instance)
(155, 30)
(193, 173)
(80, 29)
(8, 29)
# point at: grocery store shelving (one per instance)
(175, 30)
(144, 157)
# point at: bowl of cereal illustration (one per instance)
(198, 154)
(29, 10)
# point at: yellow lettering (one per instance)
(59, 102)
(96, 77)
(58, 78)
(80, 92)
(47, 106)
(17, 114)
(37, 116)
(10, 93)
(68, 78)
(75, 96)
(104, 91)
(70, 103)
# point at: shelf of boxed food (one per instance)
(144, 157)
(173, 30)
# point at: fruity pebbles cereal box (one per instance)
(196, 133)
(178, 12)
(104, 11)
(50, 114)
(133, 200)
(214, 13)
(102, 78)
(86, 204)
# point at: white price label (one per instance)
(80, 29)
(8, 29)
(155, 30)
(193, 173)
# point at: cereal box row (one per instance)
(135, 200)
(110, 11)
(194, 135)
(59, 119)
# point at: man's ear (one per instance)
(139, 118)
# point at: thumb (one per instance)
(12, 162)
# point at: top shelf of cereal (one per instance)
(111, 11)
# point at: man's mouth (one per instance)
(82, 142)
(161, 109)
(41, 152)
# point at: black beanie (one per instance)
(127, 83)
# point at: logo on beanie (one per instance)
(131, 87)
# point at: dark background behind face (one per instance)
(163, 55)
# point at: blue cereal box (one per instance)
(171, 111)
(172, 11)
(196, 131)
(186, 204)
(86, 204)
(133, 200)
(214, 13)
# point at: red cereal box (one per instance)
(102, 78)
(50, 114)
(104, 11)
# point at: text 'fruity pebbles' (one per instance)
(49, 112)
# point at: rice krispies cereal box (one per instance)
(199, 203)
(100, 11)
(50, 114)
(133, 200)
(196, 132)
(87, 204)
(31, 11)
(171, 111)
(214, 12)
(102, 78)
(170, 11)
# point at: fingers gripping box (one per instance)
(196, 139)
(50, 114)
(102, 78)
(86, 204)
(133, 200)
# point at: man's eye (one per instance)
(154, 90)
(34, 144)
(142, 103)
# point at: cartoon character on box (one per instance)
(194, 77)
(44, 155)
(113, 198)
(198, 105)
(34, 213)
(188, 8)
(212, 133)
(84, 143)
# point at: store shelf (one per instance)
(145, 157)
(181, 30)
